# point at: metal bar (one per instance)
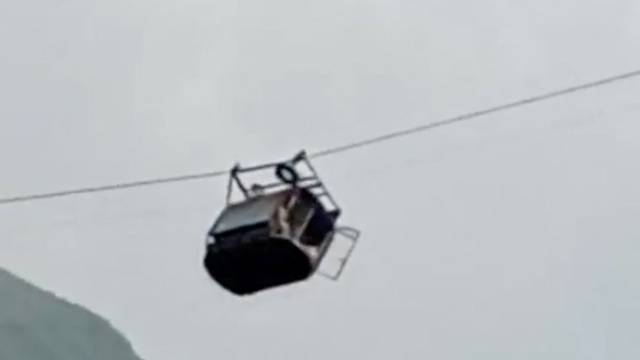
(229, 189)
(234, 174)
(257, 167)
(281, 184)
(343, 262)
(345, 259)
(307, 178)
(314, 186)
(273, 185)
(302, 155)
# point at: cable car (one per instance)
(278, 232)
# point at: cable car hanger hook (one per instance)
(286, 172)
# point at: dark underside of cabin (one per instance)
(248, 261)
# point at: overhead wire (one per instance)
(339, 149)
(476, 114)
(120, 186)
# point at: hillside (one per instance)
(37, 325)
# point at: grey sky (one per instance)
(514, 236)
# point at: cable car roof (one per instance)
(250, 212)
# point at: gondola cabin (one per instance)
(277, 234)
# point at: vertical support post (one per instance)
(229, 189)
(234, 176)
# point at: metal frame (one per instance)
(349, 233)
(312, 183)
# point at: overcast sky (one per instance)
(514, 236)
